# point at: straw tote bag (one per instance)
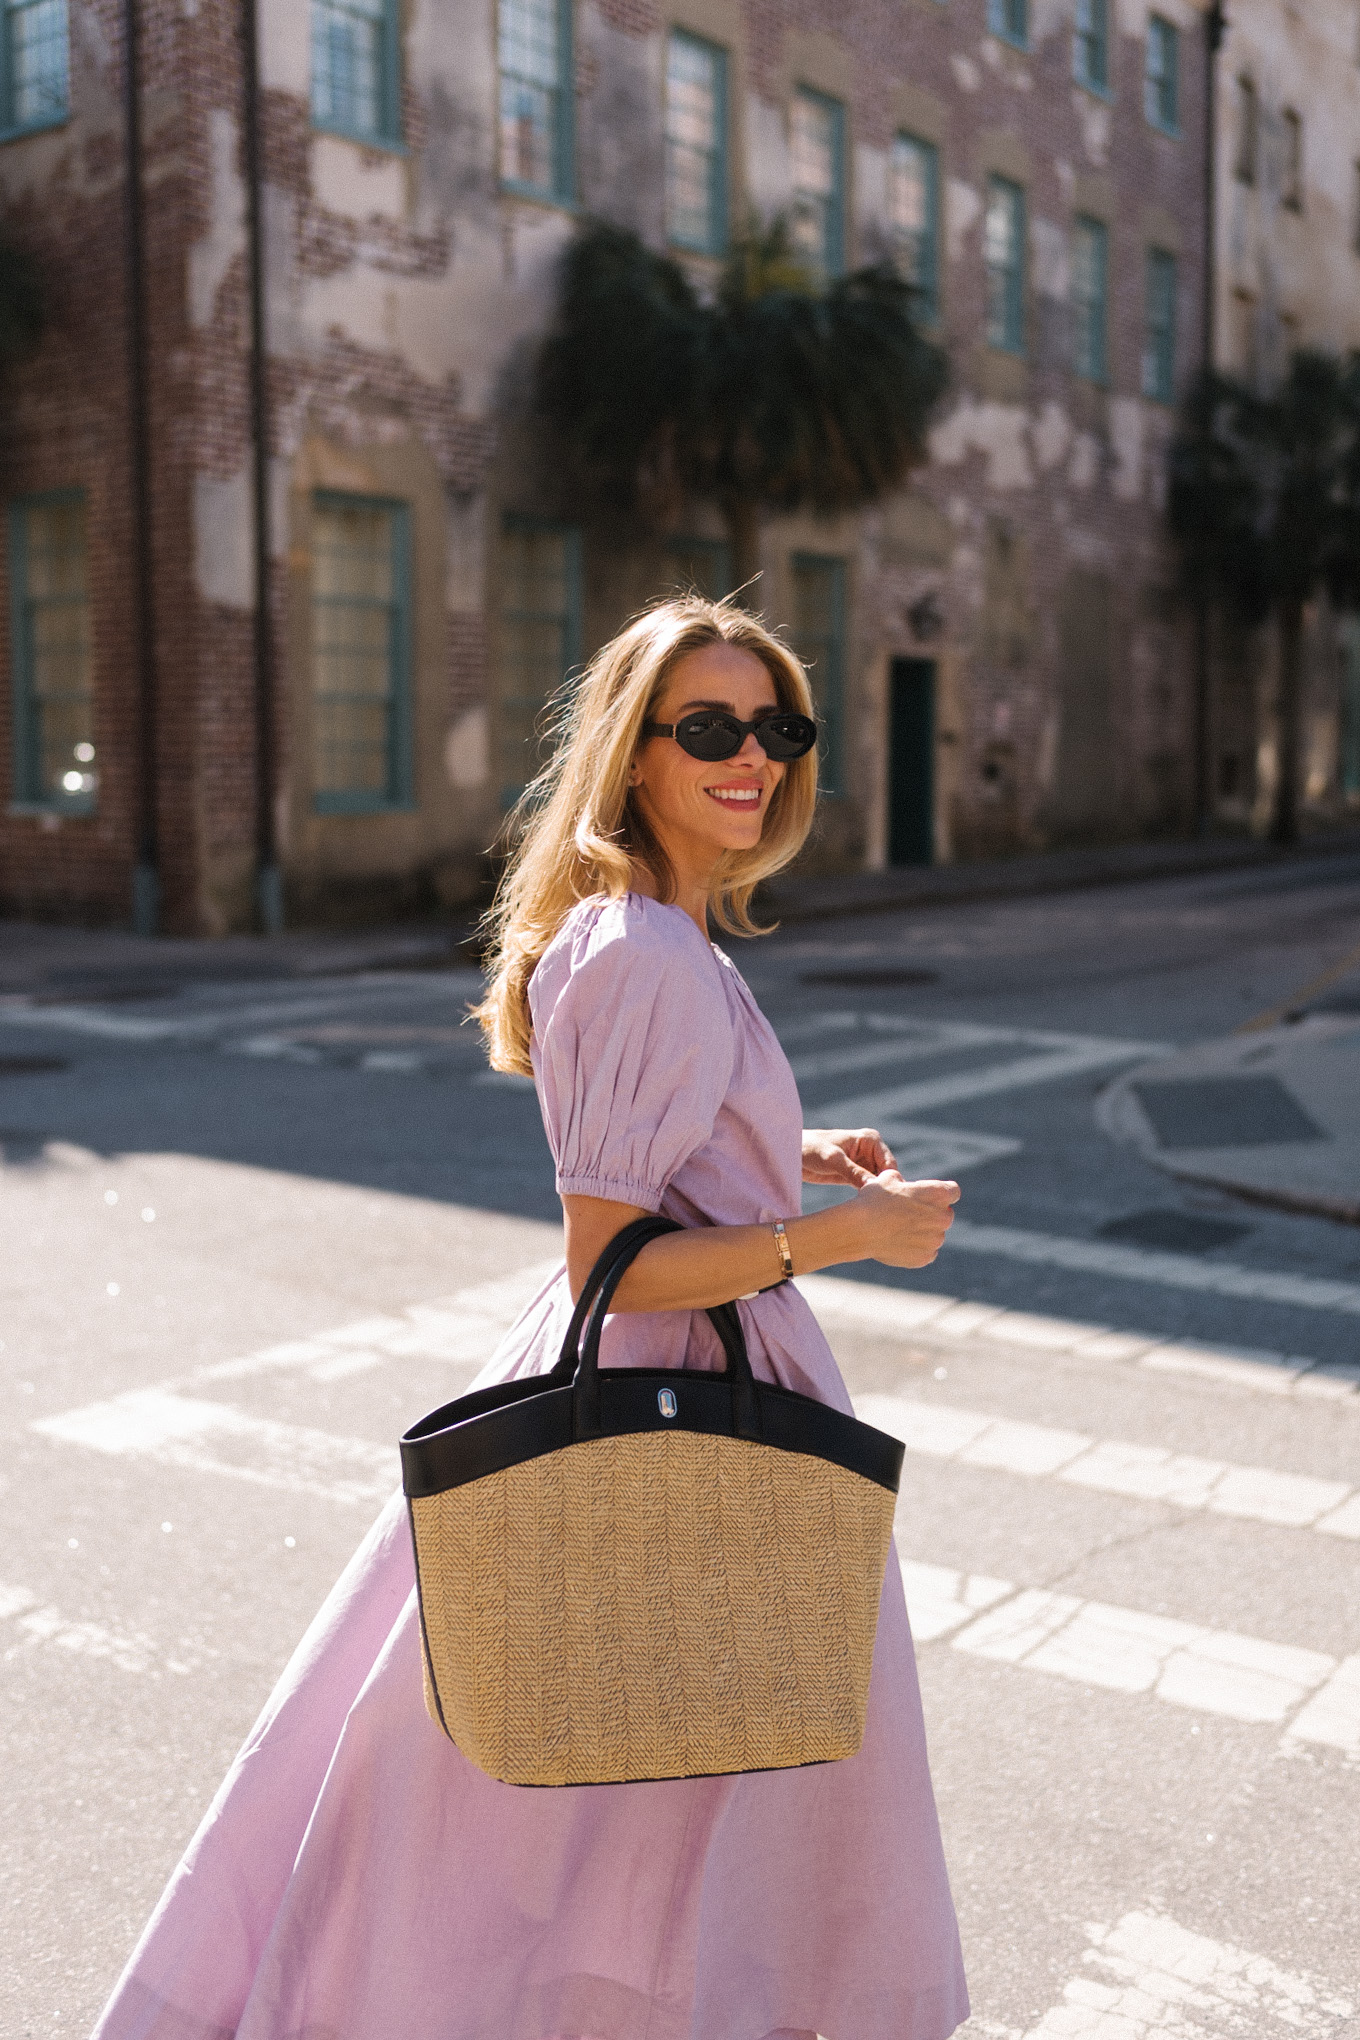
(630, 1575)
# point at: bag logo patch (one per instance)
(665, 1402)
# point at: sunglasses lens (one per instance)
(786, 736)
(710, 736)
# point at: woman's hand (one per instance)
(903, 1224)
(841, 1156)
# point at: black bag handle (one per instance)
(583, 1369)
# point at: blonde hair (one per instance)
(578, 833)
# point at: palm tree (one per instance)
(782, 393)
(1264, 508)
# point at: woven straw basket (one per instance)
(636, 1575)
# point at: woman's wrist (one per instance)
(826, 1238)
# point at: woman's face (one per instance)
(698, 810)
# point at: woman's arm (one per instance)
(901, 1224)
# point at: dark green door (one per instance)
(911, 762)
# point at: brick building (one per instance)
(998, 655)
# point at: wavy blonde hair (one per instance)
(577, 831)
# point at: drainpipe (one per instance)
(1215, 24)
(268, 877)
(146, 887)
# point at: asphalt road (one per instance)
(1132, 1558)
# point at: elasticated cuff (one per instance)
(618, 1189)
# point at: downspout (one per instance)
(268, 877)
(146, 886)
(1215, 24)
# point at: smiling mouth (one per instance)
(735, 796)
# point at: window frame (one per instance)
(1095, 36)
(830, 701)
(562, 191)
(26, 793)
(400, 796)
(1002, 19)
(1166, 82)
(927, 294)
(389, 133)
(1160, 341)
(573, 634)
(838, 209)
(11, 129)
(1094, 367)
(719, 195)
(1291, 183)
(1016, 334)
(1247, 154)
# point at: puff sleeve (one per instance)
(632, 1048)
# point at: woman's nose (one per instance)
(752, 751)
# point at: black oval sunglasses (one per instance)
(712, 734)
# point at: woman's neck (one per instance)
(692, 892)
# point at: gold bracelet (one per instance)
(781, 1240)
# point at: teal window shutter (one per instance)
(1161, 75)
(540, 640)
(356, 69)
(34, 65)
(53, 703)
(703, 565)
(1004, 256)
(1010, 20)
(361, 654)
(914, 219)
(537, 102)
(1159, 352)
(817, 150)
(696, 144)
(1091, 45)
(819, 619)
(1090, 299)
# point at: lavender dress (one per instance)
(357, 1879)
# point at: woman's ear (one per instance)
(635, 774)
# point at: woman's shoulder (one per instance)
(628, 938)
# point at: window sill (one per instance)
(535, 194)
(56, 810)
(1104, 93)
(388, 145)
(1010, 42)
(1159, 127)
(37, 127)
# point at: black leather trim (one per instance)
(521, 1420)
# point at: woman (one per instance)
(356, 1878)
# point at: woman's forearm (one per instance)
(711, 1264)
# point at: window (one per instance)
(1009, 18)
(356, 68)
(1090, 290)
(1247, 125)
(819, 640)
(696, 144)
(540, 638)
(1291, 183)
(1004, 254)
(361, 654)
(1091, 44)
(703, 564)
(1355, 213)
(817, 138)
(913, 219)
(1159, 350)
(537, 128)
(1162, 75)
(33, 65)
(54, 753)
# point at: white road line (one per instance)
(1147, 1978)
(1149, 1473)
(868, 1107)
(34, 1624)
(889, 1313)
(206, 1437)
(1167, 1271)
(1214, 1671)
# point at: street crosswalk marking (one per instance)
(1046, 1067)
(1148, 1978)
(1151, 1473)
(1124, 1650)
(28, 1623)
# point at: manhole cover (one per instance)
(1173, 1232)
(31, 1065)
(872, 978)
(1226, 1112)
